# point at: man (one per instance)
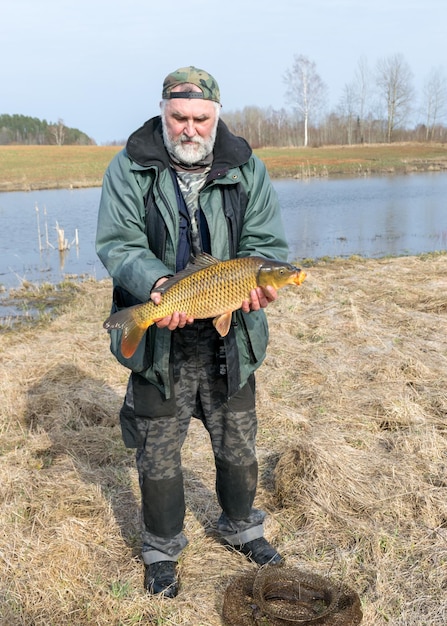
(184, 185)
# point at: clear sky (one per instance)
(99, 64)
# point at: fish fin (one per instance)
(222, 323)
(132, 331)
(195, 264)
(203, 260)
(118, 319)
(132, 335)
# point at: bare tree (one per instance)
(58, 132)
(362, 89)
(305, 89)
(394, 80)
(434, 100)
(349, 111)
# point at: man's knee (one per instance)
(236, 487)
(163, 504)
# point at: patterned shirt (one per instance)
(190, 184)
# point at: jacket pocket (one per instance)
(139, 361)
(256, 335)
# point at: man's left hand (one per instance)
(259, 299)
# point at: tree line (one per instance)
(22, 129)
(379, 105)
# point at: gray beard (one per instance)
(190, 155)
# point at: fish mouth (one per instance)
(300, 277)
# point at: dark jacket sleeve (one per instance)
(121, 241)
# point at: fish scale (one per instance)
(216, 288)
(207, 288)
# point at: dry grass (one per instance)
(355, 160)
(23, 168)
(352, 445)
(53, 167)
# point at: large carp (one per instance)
(206, 288)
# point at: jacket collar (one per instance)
(145, 146)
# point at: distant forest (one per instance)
(21, 129)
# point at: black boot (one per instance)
(260, 551)
(160, 577)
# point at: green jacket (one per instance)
(123, 241)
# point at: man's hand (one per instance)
(177, 319)
(259, 299)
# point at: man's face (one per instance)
(189, 128)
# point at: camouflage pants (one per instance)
(159, 430)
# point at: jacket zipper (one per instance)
(170, 211)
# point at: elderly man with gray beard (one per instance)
(183, 185)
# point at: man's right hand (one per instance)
(177, 319)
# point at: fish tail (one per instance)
(133, 331)
(132, 335)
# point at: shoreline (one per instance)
(404, 171)
(48, 186)
(37, 168)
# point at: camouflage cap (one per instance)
(194, 76)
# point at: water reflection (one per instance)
(371, 217)
(31, 224)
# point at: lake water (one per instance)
(372, 217)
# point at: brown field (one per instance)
(48, 167)
(352, 405)
(51, 167)
(354, 160)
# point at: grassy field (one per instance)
(48, 167)
(51, 167)
(354, 160)
(352, 406)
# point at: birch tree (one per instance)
(394, 80)
(305, 90)
(58, 132)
